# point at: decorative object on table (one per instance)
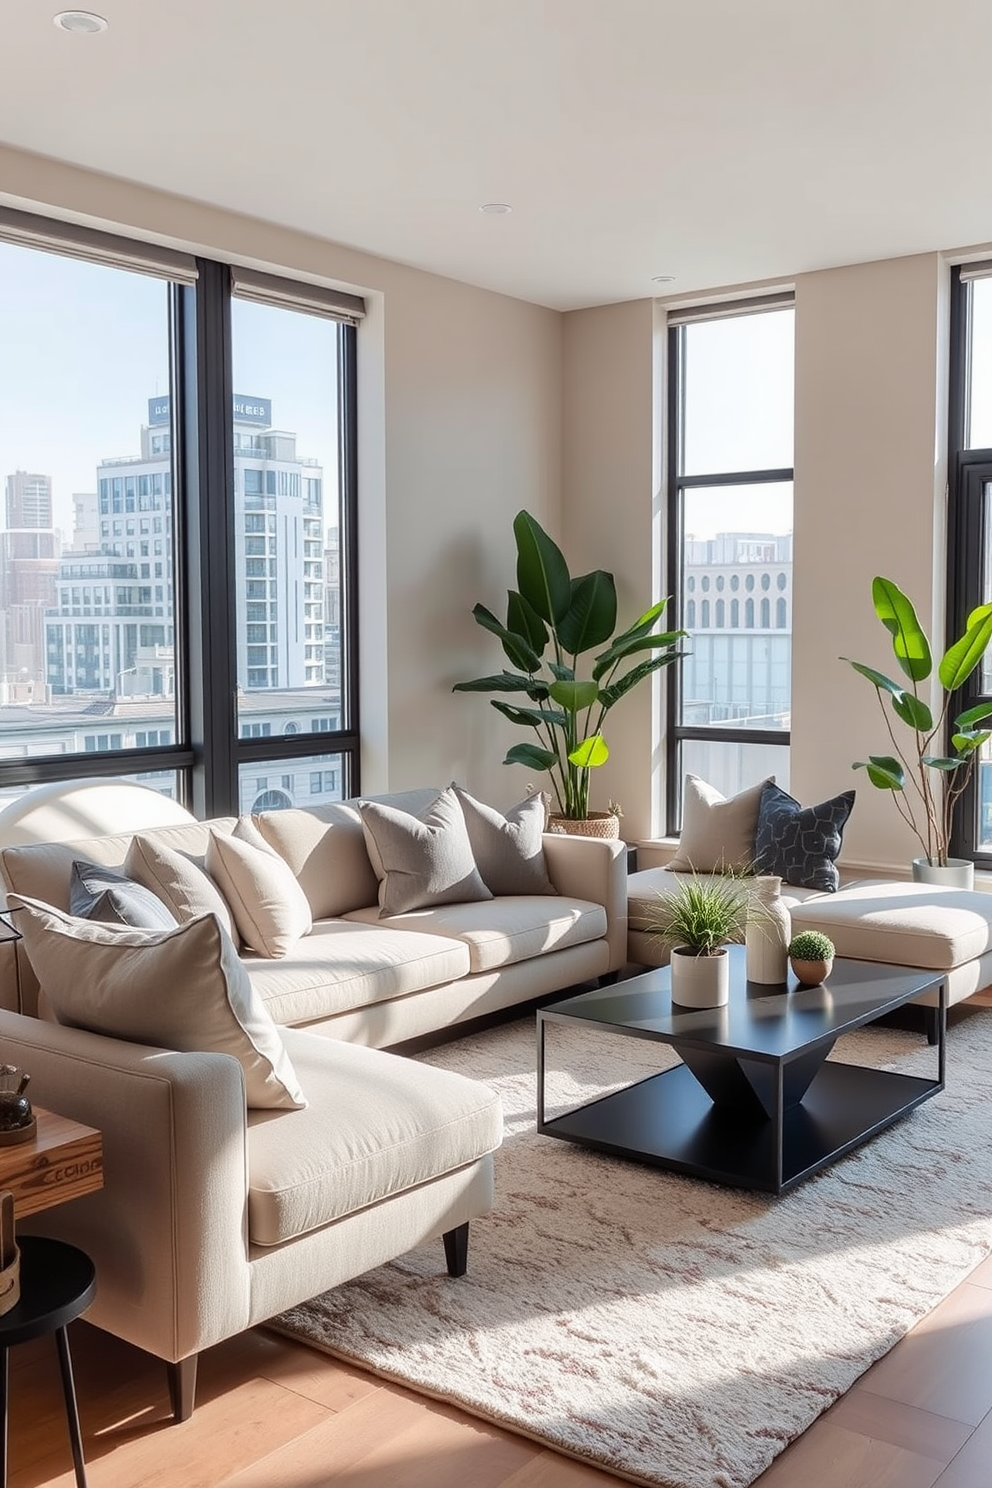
(925, 782)
(766, 937)
(812, 957)
(801, 844)
(10, 1256)
(697, 919)
(565, 710)
(17, 1123)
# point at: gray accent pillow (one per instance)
(717, 833)
(801, 844)
(422, 860)
(508, 850)
(98, 893)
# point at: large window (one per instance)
(730, 457)
(177, 539)
(970, 525)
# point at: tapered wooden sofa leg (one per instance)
(456, 1250)
(182, 1387)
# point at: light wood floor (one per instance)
(274, 1414)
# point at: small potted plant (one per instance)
(697, 919)
(812, 957)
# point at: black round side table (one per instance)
(58, 1282)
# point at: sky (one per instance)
(84, 347)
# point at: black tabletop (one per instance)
(757, 1019)
(58, 1282)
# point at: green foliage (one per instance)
(811, 945)
(702, 913)
(925, 785)
(574, 616)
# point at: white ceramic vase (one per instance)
(956, 873)
(700, 981)
(766, 938)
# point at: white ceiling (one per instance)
(719, 141)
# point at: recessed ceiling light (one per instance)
(495, 209)
(80, 22)
(662, 278)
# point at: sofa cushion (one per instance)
(421, 860)
(648, 885)
(98, 893)
(269, 907)
(181, 989)
(376, 1126)
(503, 931)
(801, 844)
(340, 966)
(508, 850)
(717, 833)
(902, 924)
(180, 881)
(325, 848)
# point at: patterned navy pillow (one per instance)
(800, 844)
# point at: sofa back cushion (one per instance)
(270, 909)
(325, 848)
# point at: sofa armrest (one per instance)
(167, 1232)
(596, 870)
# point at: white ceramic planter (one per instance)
(700, 981)
(956, 873)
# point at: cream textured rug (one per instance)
(669, 1330)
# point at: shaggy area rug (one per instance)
(672, 1331)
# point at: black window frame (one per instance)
(677, 484)
(208, 752)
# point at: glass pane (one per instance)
(86, 572)
(287, 515)
(273, 785)
(738, 389)
(166, 782)
(979, 412)
(736, 588)
(733, 767)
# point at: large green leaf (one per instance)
(531, 755)
(608, 696)
(879, 679)
(524, 621)
(960, 660)
(498, 682)
(590, 753)
(912, 710)
(574, 696)
(940, 762)
(967, 743)
(516, 647)
(628, 646)
(973, 715)
(644, 622)
(592, 614)
(883, 770)
(560, 672)
(909, 641)
(542, 573)
(530, 717)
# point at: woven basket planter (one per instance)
(604, 824)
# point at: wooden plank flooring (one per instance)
(272, 1413)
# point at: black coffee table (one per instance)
(754, 1103)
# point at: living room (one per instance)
(501, 369)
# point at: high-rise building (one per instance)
(29, 500)
(29, 554)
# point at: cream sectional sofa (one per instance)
(213, 1218)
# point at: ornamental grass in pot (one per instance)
(696, 920)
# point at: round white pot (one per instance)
(700, 981)
(956, 873)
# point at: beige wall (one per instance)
(460, 425)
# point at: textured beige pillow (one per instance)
(178, 880)
(269, 907)
(421, 860)
(179, 989)
(325, 848)
(508, 850)
(717, 833)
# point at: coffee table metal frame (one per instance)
(755, 1102)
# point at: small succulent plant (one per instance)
(811, 945)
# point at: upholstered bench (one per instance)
(896, 923)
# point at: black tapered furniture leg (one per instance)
(456, 1250)
(609, 978)
(931, 1022)
(182, 1387)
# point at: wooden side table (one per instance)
(58, 1281)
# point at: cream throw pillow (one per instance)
(269, 907)
(179, 989)
(508, 850)
(181, 884)
(717, 833)
(423, 860)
